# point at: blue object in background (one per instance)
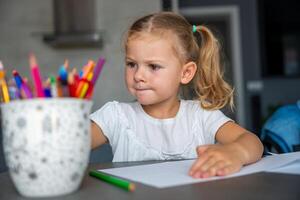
(282, 129)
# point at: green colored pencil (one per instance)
(113, 180)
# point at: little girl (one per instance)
(162, 56)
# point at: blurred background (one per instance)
(261, 41)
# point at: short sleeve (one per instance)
(212, 121)
(107, 119)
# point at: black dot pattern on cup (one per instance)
(32, 175)
(75, 176)
(43, 160)
(46, 144)
(46, 126)
(21, 122)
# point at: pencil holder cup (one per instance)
(46, 144)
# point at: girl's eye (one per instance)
(155, 67)
(130, 64)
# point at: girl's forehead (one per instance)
(150, 46)
(150, 37)
(163, 40)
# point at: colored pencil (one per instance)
(98, 70)
(3, 84)
(22, 86)
(73, 82)
(86, 85)
(63, 72)
(113, 180)
(36, 76)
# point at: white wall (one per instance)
(22, 24)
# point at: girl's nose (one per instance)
(139, 74)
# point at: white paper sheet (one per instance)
(175, 173)
(292, 168)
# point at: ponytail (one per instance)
(210, 87)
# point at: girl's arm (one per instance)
(97, 136)
(237, 147)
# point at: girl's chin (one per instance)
(145, 98)
(145, 102)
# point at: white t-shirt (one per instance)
(136, 136)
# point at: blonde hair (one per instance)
(208, 84)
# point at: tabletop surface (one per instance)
(255, 186)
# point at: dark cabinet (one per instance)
(280, 37)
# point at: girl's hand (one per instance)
(216, 160)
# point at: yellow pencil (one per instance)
(3, 84)
(85, 86)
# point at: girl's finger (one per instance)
(212, 171)
(201, 149)
(227, 170)
(197, 164)
(202, 169)
(211, 161)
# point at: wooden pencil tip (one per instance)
(1, 65)
(32, 60)
(66, 64)
(132, 187)
(74, 71)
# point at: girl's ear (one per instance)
(188, 72)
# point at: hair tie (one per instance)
(194, 28)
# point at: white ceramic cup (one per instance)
(46, 144)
